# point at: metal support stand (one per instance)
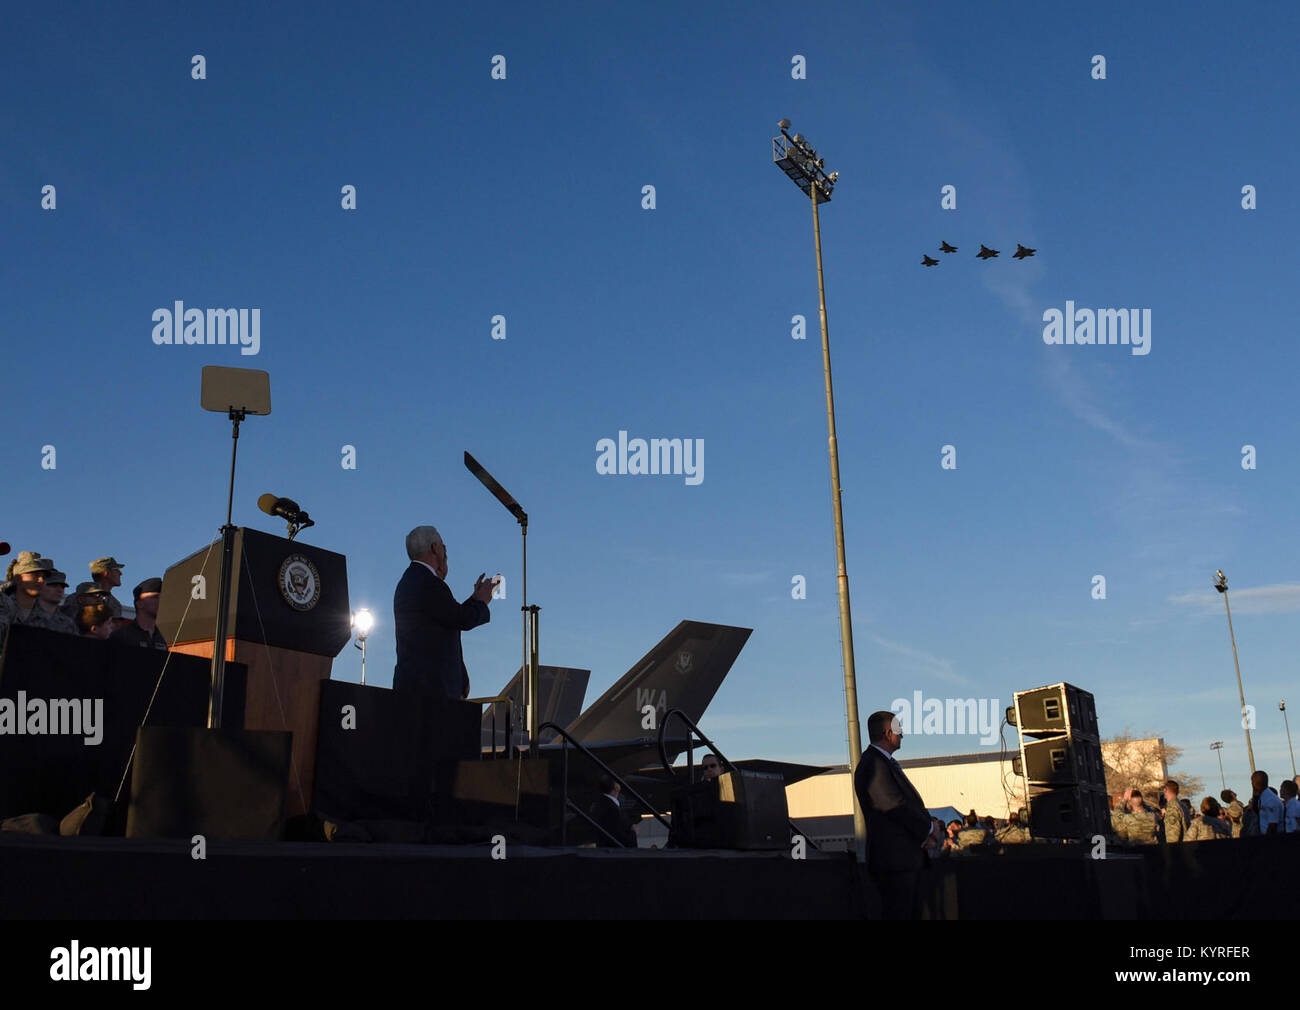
(529, 666)
(223, 589)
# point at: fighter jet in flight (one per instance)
(1021, 252)
(985, 252)
(926, 261)
(945, 247)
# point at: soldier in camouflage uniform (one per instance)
(8, 606)
(973, 834)
(1139, 821)
(1014, 833)
(1209, 825)
(39, 589)
(1119, 818)
(107, 573)
(1175, 816)
(6, 616)
(1236, 818)
(88, 594)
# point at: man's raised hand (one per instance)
(483, 588)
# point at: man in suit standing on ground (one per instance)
(428, 622)
(608, 812)
(899, 829)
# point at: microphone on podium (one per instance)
(288, 510)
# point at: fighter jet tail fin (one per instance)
(560, 692)
(683, 671)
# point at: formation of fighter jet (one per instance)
(985, 253)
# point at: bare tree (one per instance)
(1145, 763)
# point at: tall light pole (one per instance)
(1282, 706)
(1221, 584)
(1217, 747)
(362, 621)
(795, 157)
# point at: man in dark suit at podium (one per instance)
(428, 622)
(899, 827)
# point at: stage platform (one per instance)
(44, 877)
(118, 878)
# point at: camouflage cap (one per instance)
(29, 562)
(101, 565)
(17, 559)
(1236, 810)
(89, 588)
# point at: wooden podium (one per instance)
(289, 617)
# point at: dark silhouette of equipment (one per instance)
(926, 261)
(986, 253)
(1060, 758)
(738, 810)
(945, 247)
(1022, 252)
(231, 784)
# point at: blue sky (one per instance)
(522, 197)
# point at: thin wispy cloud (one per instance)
(1075, 394)
(1282, 598)
(922, 663)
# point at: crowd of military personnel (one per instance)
(1136, 821)
(974, 832)
(1268, 812)
(33, 595)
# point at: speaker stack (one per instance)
(1060, 758)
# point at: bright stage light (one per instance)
(363, 621)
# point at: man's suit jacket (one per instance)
(428, 623)
(608, 813)
(897, 821)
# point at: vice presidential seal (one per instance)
(299, 582)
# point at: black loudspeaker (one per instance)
(1065, 760)
(1056, 710)
(1060, 757)
(1077, 811)
(221, 784)
(738, 810)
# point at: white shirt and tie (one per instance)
(894, 761)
